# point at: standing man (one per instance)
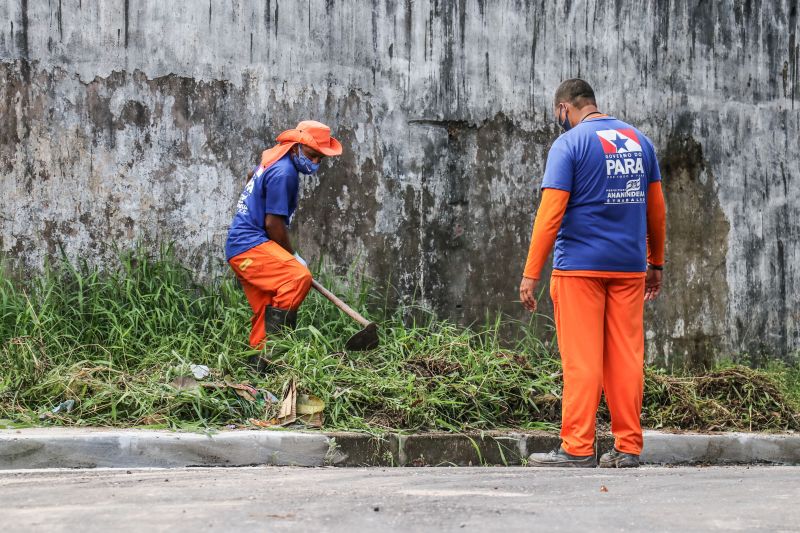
(274, 277)
(603, 206)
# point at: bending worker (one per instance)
(274, 277)
(602, 204)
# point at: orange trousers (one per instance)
(270, 276)
(599, 324)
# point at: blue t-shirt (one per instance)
(606, 165)
(272, 191)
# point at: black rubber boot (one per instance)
(617, 459)
(560, 458)
(276, 321)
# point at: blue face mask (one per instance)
(302, 163)
(565, 125)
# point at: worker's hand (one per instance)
(527, 293)
(652, 284)
(300, 260)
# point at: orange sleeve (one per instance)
(545, 227)
(656, 224)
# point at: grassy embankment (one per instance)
(114, 342)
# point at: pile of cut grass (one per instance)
(735, 398)
(115, 341)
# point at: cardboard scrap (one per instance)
(304, 408)
(288, 412)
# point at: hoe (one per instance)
(367, 338)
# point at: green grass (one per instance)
(114, 341)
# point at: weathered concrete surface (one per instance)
(98, 448)
(394, 499)
(127, 120)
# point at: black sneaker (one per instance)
(560, 458)
(617, 459)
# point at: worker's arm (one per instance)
(545, 228)
(656, 239)
(656, 224)
(278, 232)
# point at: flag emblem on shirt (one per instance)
(622, 141)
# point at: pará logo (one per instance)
(615, 167)
(633, 185)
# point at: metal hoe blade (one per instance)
(366, 339)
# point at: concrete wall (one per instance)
(128, 119)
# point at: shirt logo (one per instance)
(622, 141)
(624, 166)
(241, 205)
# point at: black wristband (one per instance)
(655, 267)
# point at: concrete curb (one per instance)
(720, 448)
(74, 448)
(90, 448)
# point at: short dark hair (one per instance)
(576, 92)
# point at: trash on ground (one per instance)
(304, 408)
(243, 390)
(309, 410)
(263, 423)
(288, 412)
(199, 371)
(269, 397)
(64, 407)
(184, 383)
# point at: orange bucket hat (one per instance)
(311, 133)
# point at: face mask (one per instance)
(304, 164)
(565, 125)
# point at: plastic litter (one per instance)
(271, 398)
(309, 410)
(184, 383)
(63, 407)
(199, 371)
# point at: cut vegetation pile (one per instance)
(116, 349)
(735, 398)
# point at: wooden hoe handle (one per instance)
(352, 313)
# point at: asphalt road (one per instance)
(401, 499)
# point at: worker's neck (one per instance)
(586, 110)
